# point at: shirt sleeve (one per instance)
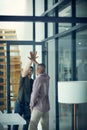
(35, 93)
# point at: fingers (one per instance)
(33, 55)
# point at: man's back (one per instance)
(43, 99)
(39, 103)
(39, 97)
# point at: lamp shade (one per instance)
(72, 92)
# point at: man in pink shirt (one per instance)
(39, 103)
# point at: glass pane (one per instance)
(39, 7)
(64, 71)
(64, 27)
(15, 72)
(39, 53)
(81, 51)
(50, 3)
(65, 58)
(24, 51)
(65, 10)
(18, 61)
(16, 31)
(16, 7)
(81, 8)
(39, 32)
(81, 63)
(50, 29)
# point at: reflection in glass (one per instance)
(81, 8)
(65, 58)
(16, 30)
(64, 71)
(65, 11)
(64, 27)
(81, 64)
(50, 29)
(81, 48)
(50, 3)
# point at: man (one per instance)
(24, 93)
(39, 103)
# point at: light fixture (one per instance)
(72, 92)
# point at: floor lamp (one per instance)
(72, 92)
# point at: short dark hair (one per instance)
(42, 65)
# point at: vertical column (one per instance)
(8, 78)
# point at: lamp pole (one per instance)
(74, 116)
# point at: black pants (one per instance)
(23, 110)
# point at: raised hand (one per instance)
(33, 56)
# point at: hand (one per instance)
(31, 109)
(33, 56)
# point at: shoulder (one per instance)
(37, 79)
(22, 79)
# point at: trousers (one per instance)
(22, 109)
(37, 116)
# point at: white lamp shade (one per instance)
(72, 92)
